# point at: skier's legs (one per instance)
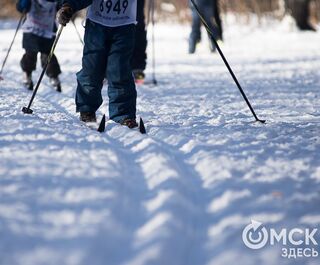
(90, 78)
(207, 10)
(122, 92)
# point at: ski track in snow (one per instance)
(183, 193)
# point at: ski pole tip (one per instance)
(26, 110)
(262, 121)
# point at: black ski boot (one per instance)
(27, 81)
(88, 117)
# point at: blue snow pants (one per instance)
(107, 53)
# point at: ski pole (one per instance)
(14, 37)
(27, 110)
(154, 80)
(78, 33)
(226, 62)
(150, 17)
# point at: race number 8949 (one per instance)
(118, 7)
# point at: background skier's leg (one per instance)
(139, 58)
(195, 35)
(208, 16)
(29, 61)
(28, 64)
(53, 69)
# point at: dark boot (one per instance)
(55, 82)
(130, 123)
(88, 117)
(27, 81)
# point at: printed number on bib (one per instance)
(120, 6)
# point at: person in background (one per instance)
(208, 10)
(38, 36)
(108, 46)
(139, 58)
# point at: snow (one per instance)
(183, 193)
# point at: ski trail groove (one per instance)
(174, 188)
(119, 176)
(133, 181)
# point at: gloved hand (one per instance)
(64, 14)
(23, 6)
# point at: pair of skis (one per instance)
(102, 125)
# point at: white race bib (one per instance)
(113, 13)
(41, 18)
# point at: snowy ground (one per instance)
(184, 193)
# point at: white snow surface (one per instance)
(183, 193)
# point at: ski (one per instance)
(142, 128)
(102, 125)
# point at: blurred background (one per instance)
(306, 13)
